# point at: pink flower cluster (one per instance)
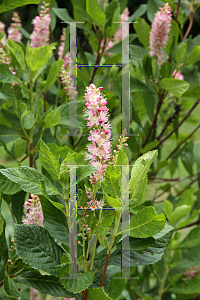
(61, 50)
(34, 216)
(40, 35)
(13, 31)
(93, 204)
(159, 34)
(190, 273)
(97, 117)
(2, 29)
(67, 82)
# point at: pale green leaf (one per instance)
(174, 86)
(142, 29)
(49, 161)
(28, 120)
(98, 294)
(8, 134)
(94, 11)
(52, 119)
(12, 4)
(18, 53)
(179, 213)
(147, 223)
(53, 73)
(193, 57)
(112, 202)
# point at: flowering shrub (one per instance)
(89, 217)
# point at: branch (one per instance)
(177, 10)
(154, 121)
(189, 27)
(183, 142)
(105, 269)
(189, 225)
(187, 115)
(99, 54)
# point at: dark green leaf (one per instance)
(55, 221)
(11, 4)
(29, 180)
(17, 205)
(35, 246)
(8, 134)
(142, 29)
(11, 290)
(53, 73)
(45, 284)
(11, 117)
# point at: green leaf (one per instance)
(53, 73)
(191, 240)
(181, 52)
(137, 194)
(18, 53)
(142, 29)
(11, 117)
(192, 93)
(77, 119)
(152, 8)
(83, 172)
(168, 206)
(76, 284)
(112, 202)
(49, 161)
(11, 289)
(101, 233)
(7, 76)
(94, 11)
(11, 4)
(116, 286)
(3, 244)
(28, 120)
(52, 119)
(8, 134)
(62, 13)
(20, 147)
(144, 257)
(55, 221)
(174, 86)
(113, 181)
(37, 57)
(121, 159)
(147, 223)
(150, 146)
(197, 153)
(18, 205)
(35, 246)
(60, 206)
(110, 30)
(29, 180)
(193, 57)
(138, 13)
(98, 294)
(191, 286)
(193, 216)
(7, 186)
(44, 284)
(81, 260)
(137, 85)
(1, 225)
(107, 218)
(179, 213)
(187, 157)
(140, 168)
(138, 244)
